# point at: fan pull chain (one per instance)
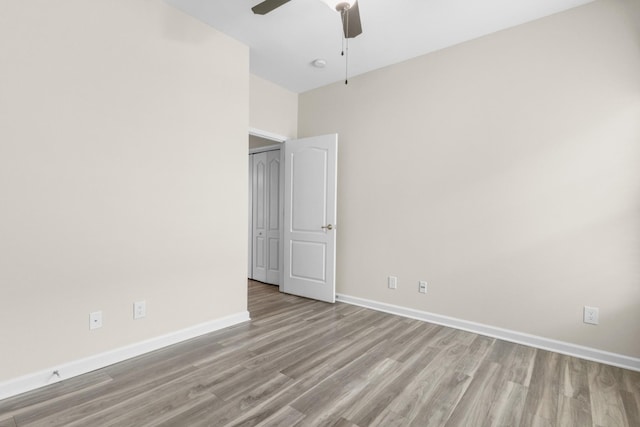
(345, 41)
(342, 34)
(346, 65)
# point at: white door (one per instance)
(266, 245)
(310, 217)
(274, 218)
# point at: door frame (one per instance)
(278, 140)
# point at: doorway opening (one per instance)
(265, 208)
(292, 211)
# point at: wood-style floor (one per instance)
(307, 363)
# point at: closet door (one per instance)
(259, 215)
(274, 217)
(266, 217)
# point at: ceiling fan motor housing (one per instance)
(344, 5)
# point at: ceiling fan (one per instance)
(348, 9)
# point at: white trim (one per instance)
(281, 213)
(250, 221)
(71, 369)
(267, 135)
(562, 347)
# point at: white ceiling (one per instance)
(284, 42)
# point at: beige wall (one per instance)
(123, 129)
(504, 171)
(273, 109)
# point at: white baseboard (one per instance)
(569, 349)
(71, 369)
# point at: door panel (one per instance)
(274, 255)
(259, 217)
(309, 179)
(274, 194)
(274, 219)
(310, 217)
(308, 260)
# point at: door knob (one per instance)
(328, 227)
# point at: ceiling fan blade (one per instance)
(351, 25)
(267, 6)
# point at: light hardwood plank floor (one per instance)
(306, 363)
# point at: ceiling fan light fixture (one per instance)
(339, 5)
(319, 63)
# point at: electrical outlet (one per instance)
(139, 309)
(422, 287)
(591, 315)
(95, 320)
(392, 282)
